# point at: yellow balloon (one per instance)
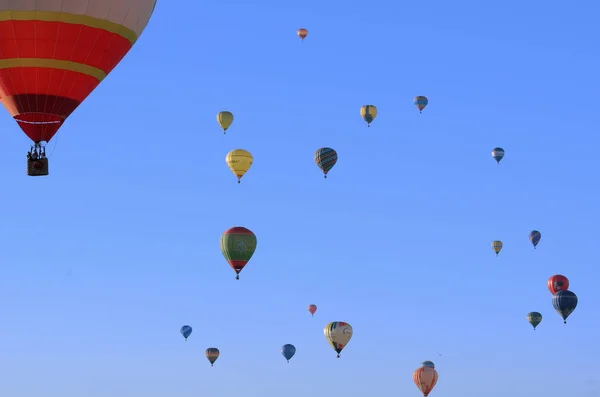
(239, 162)
(225, 119)
(368, 113)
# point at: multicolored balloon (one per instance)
(428, 364)
(368, 113)
(312, 309)
(421, 102)
(326, 159)
(498, 154)
(186, 331)
(225, 119)
(288, 351)
(338, 334)
(302, 33)
(239, 162)
(534, 318)
(535, 237)
(558, 282)
(238, 245)
(212, 353)
(425, 378)
(564, 303)
(497, 246)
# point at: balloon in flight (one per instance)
(288, 351)
(238, 245)
(425, 378)
(534, 318)
(498, 154)
(212, 353)
(564, 303)
(428, 364)
(56, 54)
(368, 113)
(558, 282)
(535, 237)
(338, 334)
(421, 102)
(312, 309)
(186, 331)
(325, 159)
(239, 162)
(225, 119)
(497, 246)
(302, 33)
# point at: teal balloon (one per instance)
(534, 318)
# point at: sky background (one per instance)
(104, 260)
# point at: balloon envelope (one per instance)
(498, 154)
(186, 331)
(564, 303)
(302, 33)
(425, 378)
(421, 102)
(428, 364)
(326, 159)
(288, 351)
(558, 282)
(238, 245)
(497, 246)
(338, 334)
(225, 119)
(535, 237)
(53, 54)
(212, 353)
(534, 318)
(239, 162)
(368, 113)
(312, 309)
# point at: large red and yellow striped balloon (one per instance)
(425, 378)
(54, 53)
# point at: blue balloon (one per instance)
(428, 364)
(186, 331)
(564, 303)
(288, 351)
(535, 237)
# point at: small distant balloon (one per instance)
(425, 378)
(497, 246)
(312, 309)
(225, 119)
(534, 318)
(498, 154)
(564, 303)
(428, 364)
(368, 113)
(302, 33)
(535, 237)
(325, 158)
(558, 282)
(212, 353)
(338, 334)
(421, 102)
(288, 351)
(186, 331)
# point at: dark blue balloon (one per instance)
(186, 331)
(288, 351)
(564, 303)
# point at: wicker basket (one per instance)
(37, 167)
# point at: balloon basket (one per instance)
(37, 167)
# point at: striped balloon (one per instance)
(497, 246)
(564, 303)
(425, 378)
(338, 334)
(498, 154)
(212, 353)
(326, 159)
(421, 102)
(534, 318)
(238, 245)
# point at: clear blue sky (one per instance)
(104, 260)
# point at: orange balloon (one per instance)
(302, 33)
(312, 309)
(425, 378)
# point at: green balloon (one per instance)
(534, 319)
(238, 245)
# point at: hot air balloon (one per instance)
(238, 245)
(535, 237)
(497, 246)
(225, 119)
(558, 282)
(53, 54)
(534, 318)
(421, 102)
(498, 154)
(312, 309)
(239, 162)
(564, 303)
(302, 33)
(368, 113)
(428, 364)
(425, 378)
(288, 351)
(186, 331)
(212, 353)
(338, 334)
(326, 159)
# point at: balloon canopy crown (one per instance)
(37, 162)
